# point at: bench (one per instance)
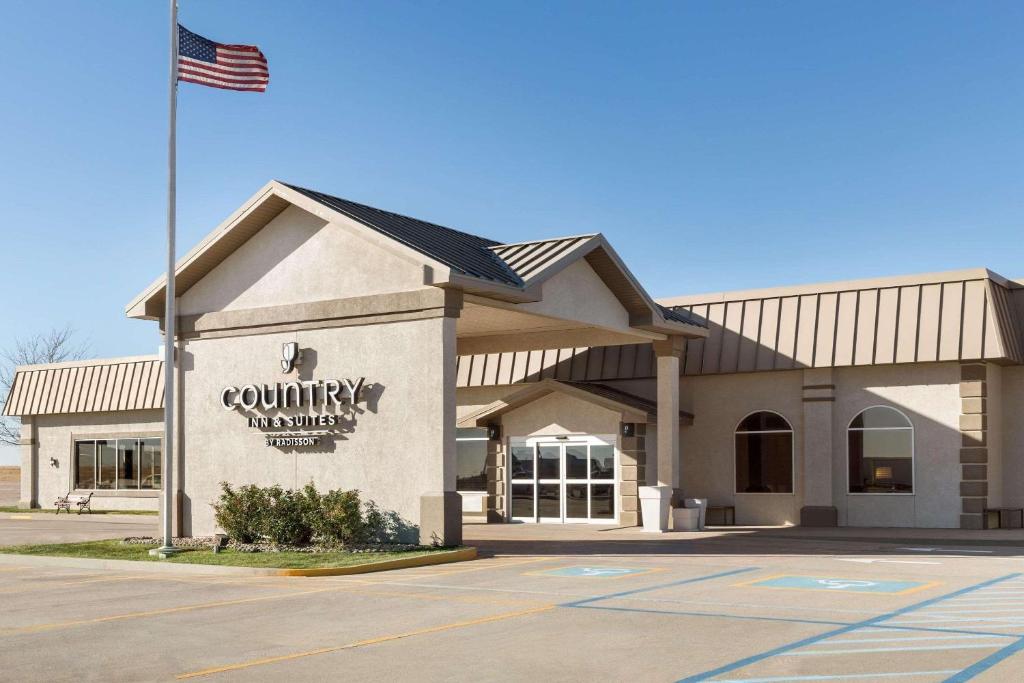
(82, 502)
(721, 515)
(1003, 518)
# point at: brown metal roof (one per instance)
(118, 384)
(965, 315)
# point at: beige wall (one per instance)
(394, 447)
(1012, 445)
(578, 293)
(928, 393)
(56, 434)
(557, 414)
(708, 446)
(298, 258)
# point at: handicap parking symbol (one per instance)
(593, 572)
(841, 585)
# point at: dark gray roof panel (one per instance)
(465, 253)
(681, 315)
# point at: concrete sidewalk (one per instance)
(555, 539)
(39, 527)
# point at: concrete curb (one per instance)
(460, 555)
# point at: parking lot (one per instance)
(613, 605)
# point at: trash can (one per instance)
(701, 505)
(685, 519)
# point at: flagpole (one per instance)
(169, 313)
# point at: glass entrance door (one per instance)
(571, 480)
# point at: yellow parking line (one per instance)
(362, 643)
(150, 613)
(439, 598)
(476, 568)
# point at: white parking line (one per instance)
(921, 648)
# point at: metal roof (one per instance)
(961, 315)
(117, 384)
(466, 253)
(529, 259)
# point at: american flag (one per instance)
(232, 67)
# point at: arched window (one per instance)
(764, 454)
(881, 452)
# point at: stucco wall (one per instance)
(1012, 436)
(557, 414)
(708, 446)
(928, 393)
(298, 258)
(56, 435)
(394, 447)
(578, 293)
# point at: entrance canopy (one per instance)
(557, 293)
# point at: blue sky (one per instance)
(718, 145)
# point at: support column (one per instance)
(441, 511)
(632, 451)
(29, 464)
(819, 395)
(974, 452)
(665, 468)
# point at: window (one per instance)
(764, 454)
(117, 464)
(471, 459)
(881, 452)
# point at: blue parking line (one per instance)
(753, 659)
(712, 614)
(696, 579)
(987, 663)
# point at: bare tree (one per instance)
(57, 345)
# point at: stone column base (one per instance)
(819, 515)
(441, 518)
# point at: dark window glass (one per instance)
(471, 465)
(764, 458)
(106, 456)
(127, 463)
(764, 422)
(575, 462)
(602, 501)
(150, 463)
(548, 458)
(602, 462)
(576, 501)
(764, 463)
(85, 464)
(522, 462)
(549, 500)
(881, 456)
(522, 500)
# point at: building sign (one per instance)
(323, 395)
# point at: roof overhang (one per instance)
(632, 408)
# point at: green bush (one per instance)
(240, 513)
(339, 520)
(296, 518)
(287, 519)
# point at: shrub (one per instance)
(240, 513)
(286, 520)
(295, 518)
(339, 519)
